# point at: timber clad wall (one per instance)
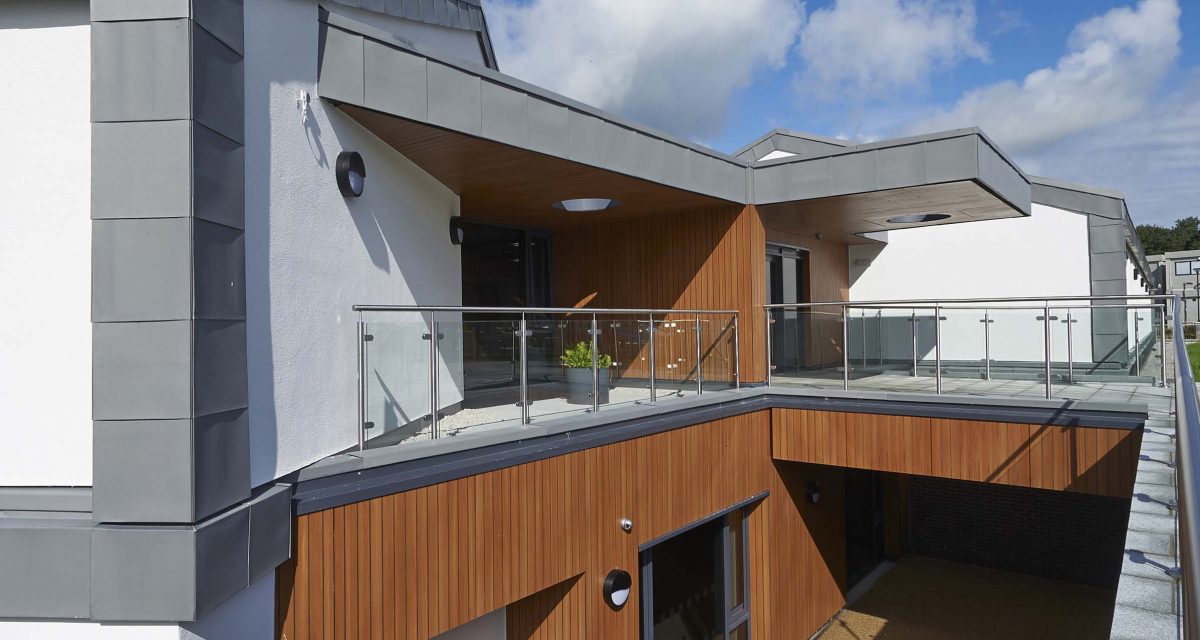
(538, 538)
(1079, 459)
(706, 259)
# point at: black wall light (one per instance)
(457, 233)
(351, 174)
(813, 491)
(616, 588)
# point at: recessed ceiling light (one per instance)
(582, 205)
(914, 218)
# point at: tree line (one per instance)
(1184, 236)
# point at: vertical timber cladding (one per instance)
(706, 259)
(1097, 461)
(538, 538)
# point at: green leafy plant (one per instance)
(580, 357)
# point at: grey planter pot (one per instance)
(579, 386)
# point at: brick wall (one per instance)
(1065, 536)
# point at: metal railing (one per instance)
(811, 345)
(488, 354)
(1187, 452)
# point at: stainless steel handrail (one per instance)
(437, 318)
(1046, 305)
(1187, 452)
(530, 310)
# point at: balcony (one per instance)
(498, 368)
(1100, 348)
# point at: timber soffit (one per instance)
(356, 476)
(364, 66)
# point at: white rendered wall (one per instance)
(65, 630)
(45, 244)
(1045, 254)
(312, 254)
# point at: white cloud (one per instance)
(672, 64)
(872, 48)
(1154, 157)
(1113, 67)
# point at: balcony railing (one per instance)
(970, 345)
(430, 372)
(1187, 489)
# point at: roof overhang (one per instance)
(511, 150)
(857, 189)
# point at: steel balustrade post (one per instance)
(879, 335)
(737, 356)
(1046, 325)
(433, 376)
(595, 365)
(864, 338)
(653, 390)
(937, 346)
(987, 344)
(770, 356)
(1137, 344)
(845, 349)
(362, 382)
(1162, 346)
(1070, 349)
(523, 329)
(913, 320)
(699, 356)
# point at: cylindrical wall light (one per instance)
(617, 585)
(351, 173)
(812, 492)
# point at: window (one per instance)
(694, 583)
(1186, 267)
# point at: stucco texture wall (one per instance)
(312, 254)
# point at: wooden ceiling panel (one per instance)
(507, 185)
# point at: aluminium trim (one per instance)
(724, 511)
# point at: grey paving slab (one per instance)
(1151, 566)
(1131, 623)
(1146, 593)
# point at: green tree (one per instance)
(1183, 236)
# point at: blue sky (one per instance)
(1113, 99)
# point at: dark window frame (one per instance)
(738, 616)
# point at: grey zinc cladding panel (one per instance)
(854, 173)
(218, 178)
(270, 530)
(340, 65)
(585, 137)
(109, 10)
(619, 149)
(130, 453)
(222, 19)
(1102, 239)
(220, 366)
(952, 159)
(44, 568)
(901, 166)
(219, 267)
(143, 573)
(394, 81)
(141, 169)
(217, 86)
(505, 114)
(141, 70)
(222, 558)
(141, 370)
(548, 129)
(141, 269)
(1002, 177)
(199, 467)
(454, 99)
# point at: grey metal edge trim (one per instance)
(364, 483)
(74, 499)
(348, 24)
(758, 497)
(791, 133)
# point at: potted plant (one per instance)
(578, 361)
